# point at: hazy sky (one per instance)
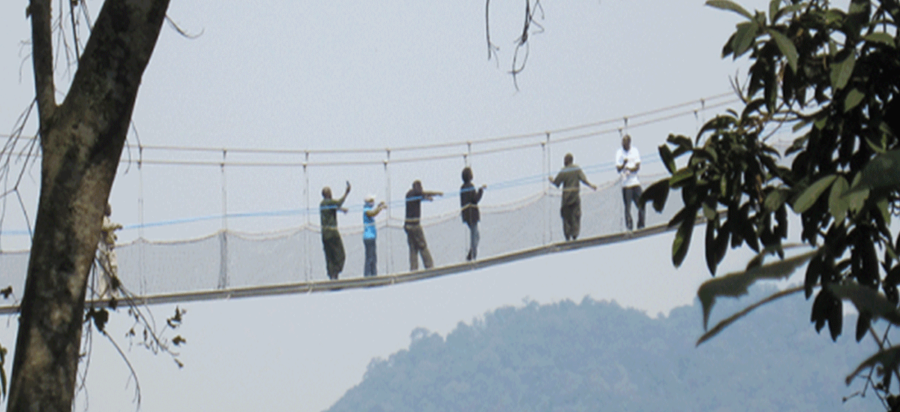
(347, 74)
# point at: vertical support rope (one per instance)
(621, 184)
(548, 234)
(308, 267)
(544, 188)
(142, 287)
(389, 262)
(464, 231)
(223, 234)
(224, 192)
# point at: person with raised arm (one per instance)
(331, 237)
(370, 267)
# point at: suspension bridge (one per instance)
(520, 214)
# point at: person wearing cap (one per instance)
(468, 201)
(570, 177)
(331, 237)
(369, 233)
(412, 225)
(628, 162)
(108, 281)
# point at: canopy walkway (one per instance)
(231, 264)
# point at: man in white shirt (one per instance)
(628, 162)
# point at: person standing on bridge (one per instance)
(570, 177)
(331, 237)
(413, 227)
(468, 201)
(628, 162)
(369, 234)
(108, 279)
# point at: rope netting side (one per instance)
(232, 258)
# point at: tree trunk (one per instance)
(81, 141)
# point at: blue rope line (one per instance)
(357, 207)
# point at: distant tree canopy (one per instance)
(831, 76)
(598, 356)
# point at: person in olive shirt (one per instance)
(414, 234)
(570, 178)
(331, 238)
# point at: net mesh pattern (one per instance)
(230, 259)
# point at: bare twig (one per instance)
(137, 383)
(493, 50)
(183, 32)
(522, 41)
(518, 63)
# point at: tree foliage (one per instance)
(830, 77)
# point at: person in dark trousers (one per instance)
(369, 234)
(414, 234)
(570, 177)
(331, 238)
(468, 201)
(628, 162)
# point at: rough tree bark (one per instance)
(81, 140)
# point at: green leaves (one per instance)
(787, 48)
(716, 241)
(774, 5)
(830, 76)
(867, 300)
(837, 203)
(658, 193)
(3, 382)
(681, 177)
(881, 38)
(812, 193)
(883, 171)
(731, 6)
(853, 99)
(737, 283)
(733, 318)
(776, 198)
(683, 238)
(842, 69)
(668, 159)
(744, 37)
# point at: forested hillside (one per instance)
(597, 356)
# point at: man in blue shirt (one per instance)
(370, 233)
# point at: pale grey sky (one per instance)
(345, 74)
